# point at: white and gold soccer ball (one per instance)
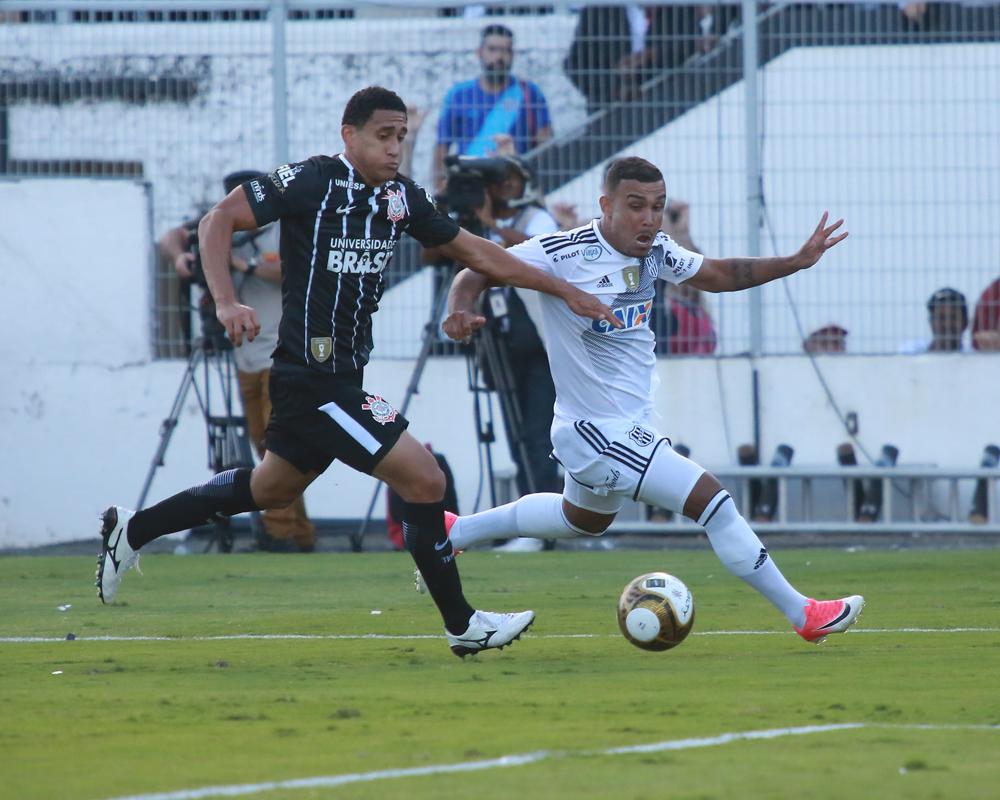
(656, 611)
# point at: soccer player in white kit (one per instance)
(602, 432)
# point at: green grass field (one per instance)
(129, 718)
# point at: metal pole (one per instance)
(751, 136)
(278, 16)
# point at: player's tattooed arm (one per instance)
(737, 274)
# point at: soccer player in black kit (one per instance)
(340, 219)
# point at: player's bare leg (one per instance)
(411, 470)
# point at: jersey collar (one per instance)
(357, 175)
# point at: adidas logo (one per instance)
(761, 558)
(604, 283)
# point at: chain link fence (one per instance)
(888, 115)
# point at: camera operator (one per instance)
(256, 268)
(496, 198)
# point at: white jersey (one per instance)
(602, 373)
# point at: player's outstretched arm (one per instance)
(500, 267)
(736, 274)
(215, 238)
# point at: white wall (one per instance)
(900, 141)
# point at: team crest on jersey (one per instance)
(397, 208)
(640, 436)
(631, 276)
(321, 347)
(380, 409)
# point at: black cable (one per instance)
(766, 218)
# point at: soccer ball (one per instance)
(656, 611)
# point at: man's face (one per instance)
(510, 188)
(633, 213)
(496, 55)
(947, 321)
(375, 148)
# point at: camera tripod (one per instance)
(494, 353)
(211, 361)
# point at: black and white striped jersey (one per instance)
(602, 373)
(338, 235)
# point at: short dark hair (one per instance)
(495, 30)
(632, 168)
(949, 297)
(367, 101)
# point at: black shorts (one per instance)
(318, 418)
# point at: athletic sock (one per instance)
(536, 516)
(432, 550)
(743, 554)
(227, 493)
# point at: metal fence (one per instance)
(888, 116)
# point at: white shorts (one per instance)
(608, 463)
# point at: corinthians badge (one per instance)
(380, 409)
(397, 208)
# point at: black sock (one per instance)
(227, 493)
(425, 537)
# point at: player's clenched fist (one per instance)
(239, 321)
(460, 325)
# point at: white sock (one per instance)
(743, 554)
(536, 516)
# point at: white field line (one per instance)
(328, 781)
(409, 636)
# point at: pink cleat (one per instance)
(824, 617)
(418, 579)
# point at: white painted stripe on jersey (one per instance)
(352, 426)
(522, 759)
(312, 265)
(413, 636)
(340, 279)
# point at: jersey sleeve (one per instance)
(425, 223)
(532, 253)
(679, 263)
(290, 190)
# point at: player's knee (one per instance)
(705, 488)
(586, 523)
(269, 494)
(426, 486)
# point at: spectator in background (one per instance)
(606, 44)
(256, 268)
(475, 112)
(684, 323)
(830, 338)
(415, 117)
(948, 316)
(514, 212)
(986, 323)
(616, 48)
